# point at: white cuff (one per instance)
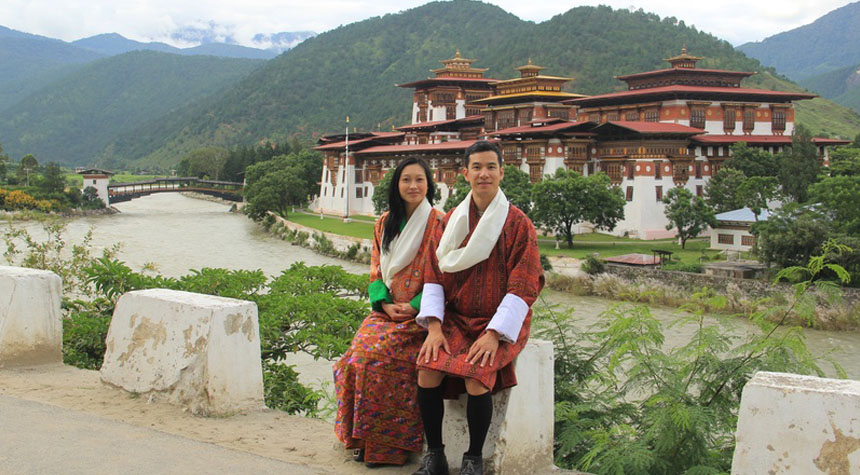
(432, 304)
(509, 317)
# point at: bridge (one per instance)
(227, 190)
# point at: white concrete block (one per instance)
(792, 424)
(521, 433)
(31, 325)
(198, 351)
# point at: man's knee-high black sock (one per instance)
(432, 411)
(479, 413)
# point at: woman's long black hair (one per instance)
(396, 205)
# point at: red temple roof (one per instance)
(651, 127)
(679, 90)
(421, 125)
(761, 139)
(553, 127)
(433, 147)
(364, 140)
(658, 72)
(448, 80)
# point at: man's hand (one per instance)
(484, 349)
(399, 312)
(434, 342)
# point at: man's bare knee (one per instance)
(429, 378)
(475, 387)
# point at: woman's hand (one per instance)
(434, 342)
(484, 349)
(399, 312)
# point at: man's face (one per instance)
(484, 174)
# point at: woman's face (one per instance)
(413, 184)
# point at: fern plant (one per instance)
(626, 404)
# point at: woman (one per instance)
(375, 381)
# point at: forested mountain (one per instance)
(28, 62)
(831, 42)
(841, 86)
(112, 44)
(352, 71)
(73, 119)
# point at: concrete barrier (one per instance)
(521, 433)
(31, 325)
(798, 424)
(198, 351)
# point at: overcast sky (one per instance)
(737, 21)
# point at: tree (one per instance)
(839, 198)
(380, 193)
(791, 235)
(206, 162)
(722, 190)
(518, 188)
(567, 198)
(752, 161)
(755, 193)
(460, 189)
(53, 180)
(3, 160)
(28, 165)
(799, 167)
(689, 214)
(845, 161)
(281, 182)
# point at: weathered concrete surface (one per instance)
(40, 438)
(31, 325)
(521, 433)
(798, 424)
(198, 351)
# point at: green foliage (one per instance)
(459, 192)
(283, 391)
(593, 265)
(90, 199)
(799, 167)
(721, 190)
(689, 214)
(518, 188)
(839, 196)
(845, 161)
(679, 266)
(85, 327)
(567, 198)
(752, 161)
(627, 404)
(206, 162)
(280, 183)
(380, 193)
(545, 264)
(791, 235)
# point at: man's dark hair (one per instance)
(396, 205)
(482, 146)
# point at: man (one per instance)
(479, 286)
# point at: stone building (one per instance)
(671, 127)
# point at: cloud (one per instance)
(737, 21)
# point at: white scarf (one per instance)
(403, 248)
(483, 240)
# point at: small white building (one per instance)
(98, 179)
(732, 232)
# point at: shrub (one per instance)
(679, 266)
(592, 265)
(17, 199)
(544, 263)
(282, 390)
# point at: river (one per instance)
(177, 234)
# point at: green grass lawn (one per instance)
(76, 180)
(583, 244)
(360, 228)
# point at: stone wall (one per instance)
(31, 325)
(340, 243)
(748, 289)
(789, 423)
